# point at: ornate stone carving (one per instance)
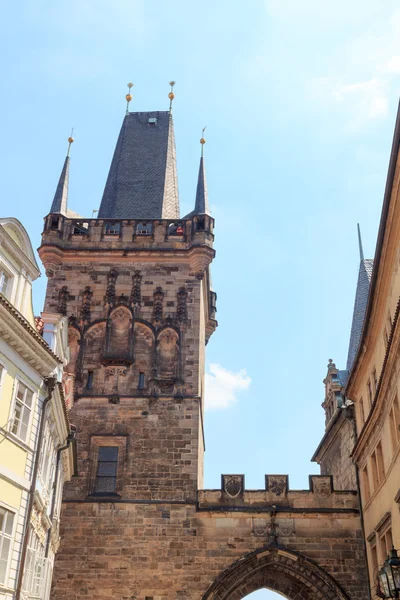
(181, 310)
(157, 317)
(109, 298)
(260, 527)
(136, 294)
(233, 485)
(277, 484)
(86, 301)
(321, 485)
(63, 297)
(286, 527)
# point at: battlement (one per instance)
(277, 495)
(114, 234)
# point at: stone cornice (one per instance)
(23, 338)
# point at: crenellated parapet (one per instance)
(277, 496)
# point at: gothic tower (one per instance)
(135, 286)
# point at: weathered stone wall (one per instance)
(167, 551)
(336, 457)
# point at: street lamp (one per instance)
(389, 576)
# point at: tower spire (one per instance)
(171, 95)
(128, 97)
(60, 200)
(201, 204)
(360, 243)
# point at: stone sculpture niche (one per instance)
(119, 337)
(167, 357)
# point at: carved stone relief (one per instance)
(157, 317)
(233, 485)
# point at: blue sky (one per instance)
(299, 98)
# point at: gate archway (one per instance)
(278, 569)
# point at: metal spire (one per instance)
(60, 200)
(128, 97)
(360, 243)
(171, 95)
(201, 204)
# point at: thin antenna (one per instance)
(202, 140)
(360, 243)
(171, 95)
(128, 97)
(70, 141)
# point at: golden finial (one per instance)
(171, 95)
(202, 139)
(128, 97)
(70, 141)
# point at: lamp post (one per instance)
(389, 576)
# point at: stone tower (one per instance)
(137, 523)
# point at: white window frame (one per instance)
(13, 277)
(11, 538)
(35, 586)
(17, 382)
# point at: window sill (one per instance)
(104, 495)
(16, 440)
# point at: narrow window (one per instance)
(362, 411)
(386, 543)
(369, 386)
(54, 223)
(380, 463)
(367, 489)
(374, 558)
(89, 383)
(22, 411)
(4, 284)
(107, 466)
(375, 379)
(394, 424)
(6, 529)
(141, 380)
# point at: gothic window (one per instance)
(167, 354)
(112, 228)
(144, 228)
(107, 468)
(119, 336)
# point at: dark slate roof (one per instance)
(342, 377)
(360, 305)
(143, 182)
(60, 199)
(201, 205)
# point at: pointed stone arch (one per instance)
(289, 573)
(119, 336)
(144, 347)
(168, 352)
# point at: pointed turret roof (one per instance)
(201, 206)
(360, 306)
(60, 199)
(142, 182)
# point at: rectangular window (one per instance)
(6, 529)
(22, 411)
(35, 568)
(374, 468)
(362, 411)
(5, 283)
(141, 380)
(380, 463)
(394, 420)
(385, 543)
(374, 558)
(113, 228)
(107, 468)
(89, 383)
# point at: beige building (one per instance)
(374, 384)
(33, 425)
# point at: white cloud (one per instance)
(362, 101)
(222, 386)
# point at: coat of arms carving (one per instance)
(233, 485)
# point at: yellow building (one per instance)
(374, 385)
(33, 425)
